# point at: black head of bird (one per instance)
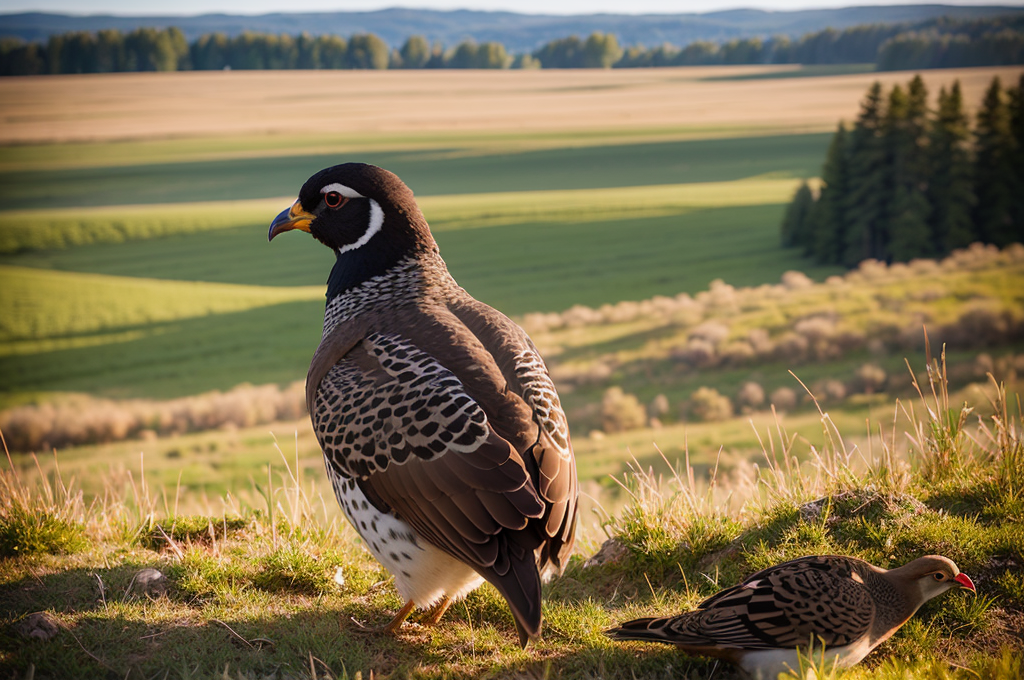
(365, 214)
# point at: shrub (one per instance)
(783, 399)
(86, 420)
(707, 404)
(621, 411)
(828, 390)
(697, 352)
(869, 378)
(750, 396)
(659, 407)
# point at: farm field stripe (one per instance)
(42, 304)
(68, 227)
(78, 155)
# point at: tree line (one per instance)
(931, 44)
(909, 182)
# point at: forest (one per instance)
(908, 182)
(936, 43)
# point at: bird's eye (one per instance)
(939, 576)
(333, 199)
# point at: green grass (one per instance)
(516, 268)
(426, 172)
(23, 230)
(49, 306)
(522, 267)
(178, 358)
(30, 237)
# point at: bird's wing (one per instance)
(548, 449)
(419, 445)
(784, 606)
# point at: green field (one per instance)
(428, 173)
(538, 230)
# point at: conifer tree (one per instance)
(950, 187)
(828, 218)
(869, 183)
(1016, 105)
(904, 233)
(796, 225)
(994, 176)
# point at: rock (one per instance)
(612, 551)
(39, 626)
(150, 582)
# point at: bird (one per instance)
(842, 607)
(442, 432)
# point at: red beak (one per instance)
(965, 582)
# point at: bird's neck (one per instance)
(406, 281)
(893, 607)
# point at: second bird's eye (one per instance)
(939, 576)
(333, 199)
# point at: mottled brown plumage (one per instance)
(843, 604)
(441, 429)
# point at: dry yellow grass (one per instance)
(357, 105)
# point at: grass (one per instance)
(50, 306)
(36, 230)
(177, 358)
(428, 173)
(517, 269)
(70, 227)
(278, 586)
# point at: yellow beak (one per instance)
(290, 218)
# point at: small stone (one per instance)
(339, 577)
(150, 582)
(39, 626)
(612, 551)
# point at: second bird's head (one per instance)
(360, 209)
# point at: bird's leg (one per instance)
(393, 627)
(435, 615)
(400, 618)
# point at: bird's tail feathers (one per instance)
(520, 586)
(650, 630)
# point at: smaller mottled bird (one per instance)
(843, 604)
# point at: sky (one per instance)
(188, 7)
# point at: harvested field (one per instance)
(345, 107)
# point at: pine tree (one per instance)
(905, 233)
(868, 183)
(828, 218)
(1017, 153)
(950, 188)
(994, 176)
(796, 223)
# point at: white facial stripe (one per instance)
(376, 222)
(347, 192)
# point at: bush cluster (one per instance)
(87, 420)
(708, 339)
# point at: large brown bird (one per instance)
(441, 430)
(843, 604)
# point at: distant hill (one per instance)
(518, 32)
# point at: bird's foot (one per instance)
(392, 627)
(437, 612)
